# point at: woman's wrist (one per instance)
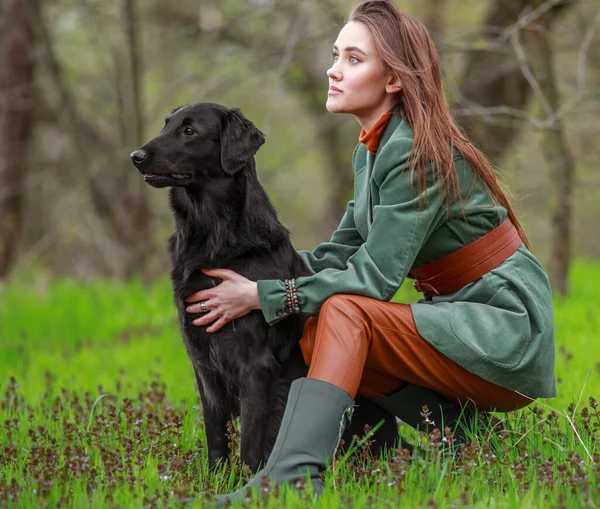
(254, 301)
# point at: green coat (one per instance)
(499, 327)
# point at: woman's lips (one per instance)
(334, 91)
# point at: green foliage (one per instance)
(98, 406)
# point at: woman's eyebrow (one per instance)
(350, 49)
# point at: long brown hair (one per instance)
(408, 53)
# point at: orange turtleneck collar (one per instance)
(372, 139)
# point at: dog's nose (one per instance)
(138, 156)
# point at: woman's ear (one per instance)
(393, 85)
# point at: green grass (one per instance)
(98, 407)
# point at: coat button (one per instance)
(279, 312)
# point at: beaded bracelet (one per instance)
(292, 297)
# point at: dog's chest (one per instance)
(234, 345)
(238, 348)
(243, 346)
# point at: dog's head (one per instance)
(198, 142)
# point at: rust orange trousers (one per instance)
(372, 348)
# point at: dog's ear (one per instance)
(240, 140)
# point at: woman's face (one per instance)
(357, 83)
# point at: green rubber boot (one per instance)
(315, 416)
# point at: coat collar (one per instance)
(396, 128)
(372, 139)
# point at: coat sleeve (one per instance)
(334, 254)
(401, 224)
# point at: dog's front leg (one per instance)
(216, 412)
(254, 408)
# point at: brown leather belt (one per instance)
(451, 272)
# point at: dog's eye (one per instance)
(188, 131)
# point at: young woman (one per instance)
(426, 205)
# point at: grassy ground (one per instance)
(98, 407)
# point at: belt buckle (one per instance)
(425, 288)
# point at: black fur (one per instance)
(223, 218)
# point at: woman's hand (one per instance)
(235, 296)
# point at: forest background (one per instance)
(98, 405)
(85, 82)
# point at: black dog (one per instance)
(223, 218)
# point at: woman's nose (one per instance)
(334, 73)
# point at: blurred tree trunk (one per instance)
(555, 149)
(493, 77)
(133, 51)
(133, 209)
(310, 83)
(494, 89)
(435, 19)
(117, 192)
(309, 80)
(17, 102)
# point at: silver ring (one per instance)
(203, 306)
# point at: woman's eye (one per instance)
(188, 131)
(353, 60)
(335, 57)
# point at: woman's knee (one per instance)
(345, 305)
(340, 311)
